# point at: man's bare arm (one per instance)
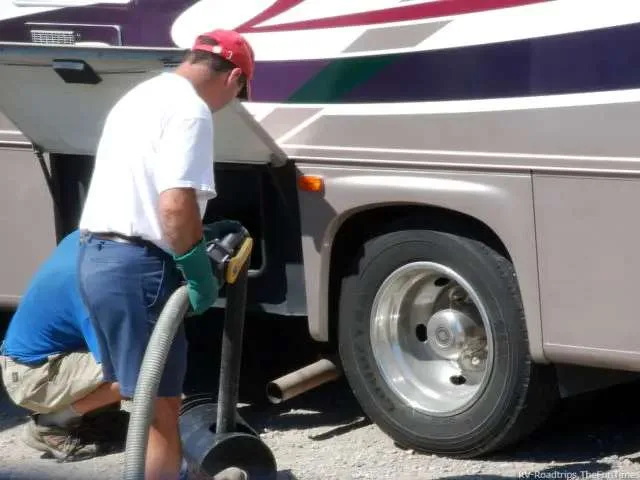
(180, 219)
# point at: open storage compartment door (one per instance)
(59, 97)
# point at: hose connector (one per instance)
(229, 255)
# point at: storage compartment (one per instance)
(264, 200)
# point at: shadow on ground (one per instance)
(585, 428)
(331, 405)
(586, 431)
(11, 416)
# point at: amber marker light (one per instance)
(311, 183)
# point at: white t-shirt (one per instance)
(158, 136)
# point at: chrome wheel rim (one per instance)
(431, 338)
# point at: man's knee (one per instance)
(54, 385)
(26, 385)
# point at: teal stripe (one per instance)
(339, 78)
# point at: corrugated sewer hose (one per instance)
(232, 255)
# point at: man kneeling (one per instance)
(50, 358)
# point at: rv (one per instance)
(444, 190)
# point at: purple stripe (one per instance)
(558, 64)
(277, 81)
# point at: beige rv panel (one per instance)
(501, 201)
(589, 247)
(27, 220)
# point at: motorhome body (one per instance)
(479, 170)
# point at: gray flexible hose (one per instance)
(151, 370)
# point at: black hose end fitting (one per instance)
(221, 251)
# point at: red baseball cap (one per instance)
(232, 46)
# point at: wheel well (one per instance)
(362, 226)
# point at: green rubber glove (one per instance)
(202, 285)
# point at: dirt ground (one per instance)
(324, 435)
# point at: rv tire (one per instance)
(400, 326)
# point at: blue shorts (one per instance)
(124, 287)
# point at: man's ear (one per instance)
(234, 76)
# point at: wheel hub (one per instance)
(430, 338)
(449, 331)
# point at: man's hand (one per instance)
(201, 283)
(182, 226)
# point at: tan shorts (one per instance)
(49, 387)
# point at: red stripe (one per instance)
(396, 14)
(280, 6)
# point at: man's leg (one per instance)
(63, 435)
(106, 394)
(164, 450)
(125, 288)
(50, 391)
(164, 447)
(74, 388)
(60, 390)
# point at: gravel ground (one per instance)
(324, 435)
